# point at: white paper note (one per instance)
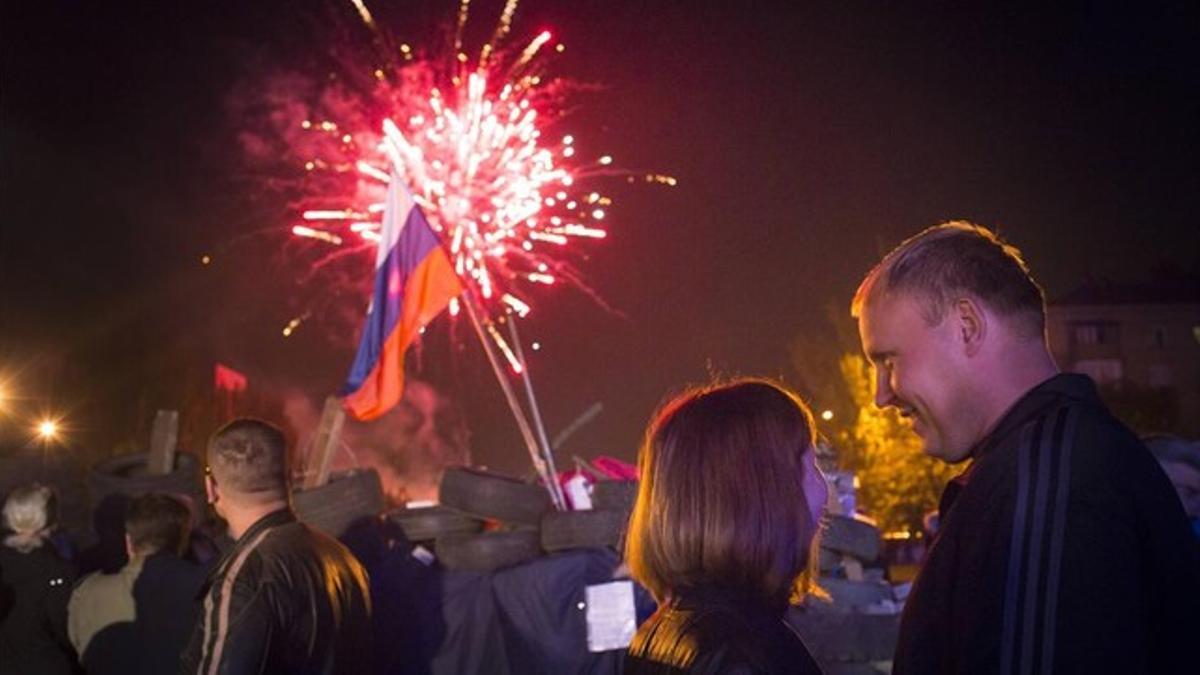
(611, 617)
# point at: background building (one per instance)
(1140, 343)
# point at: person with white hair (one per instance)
(35, 585)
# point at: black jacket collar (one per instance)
(1054, 390)
(273, 519)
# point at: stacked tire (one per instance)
(486, 521)
(603, 525)
(127, 476)
(853, 632)
(349, 497)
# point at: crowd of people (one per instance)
(1064, 546)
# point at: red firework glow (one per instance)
(473, 142)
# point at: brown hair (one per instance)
(158, 522)
(946, 260)
(249, 457)
(721, 501)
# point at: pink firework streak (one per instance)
(473, 142)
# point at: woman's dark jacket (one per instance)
(710, 632)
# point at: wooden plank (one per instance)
(325, 443)
(164, 436)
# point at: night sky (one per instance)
(806, 142)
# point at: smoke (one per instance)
(410, 446)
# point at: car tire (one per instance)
(126, 475)
(583, 529)
(847, 637)
(491, 496)
(487, 552)
(429, 523)
(853, 595)
(348, 497)
(828, 560)
(852, 536)
(614, 495)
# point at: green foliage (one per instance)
(898, 482)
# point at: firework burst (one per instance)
(473, 140)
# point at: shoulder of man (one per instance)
(240, 572)
(298, 538)
(1110, 463)
(280, 555)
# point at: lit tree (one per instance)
(898, 483)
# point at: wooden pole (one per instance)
(587, 416)
(539, 464)
(325, 443)
(164, 436)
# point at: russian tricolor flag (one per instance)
(414, 282)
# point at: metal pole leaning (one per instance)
(531, 444)
(547, 451)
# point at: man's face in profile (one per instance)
(919, 370)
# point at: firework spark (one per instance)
(473, 142)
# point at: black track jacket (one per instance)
(1062, 549)
(285, 600)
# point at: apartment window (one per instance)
(1094, 332)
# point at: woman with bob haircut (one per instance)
(727, 509)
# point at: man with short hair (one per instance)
(286, 598)
(1062, 547)
(139, 619)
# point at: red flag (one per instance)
(228, 379)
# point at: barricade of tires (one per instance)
(348, 497)
(853, 631)
(486, 521)
(127, 475)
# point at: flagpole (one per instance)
(539, 464)
(547, 451)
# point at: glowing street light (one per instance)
(47, 430)
(826, 415)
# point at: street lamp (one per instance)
(47, 430)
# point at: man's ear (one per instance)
(971, 324)
(210, 489)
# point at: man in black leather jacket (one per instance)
(286, 599)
